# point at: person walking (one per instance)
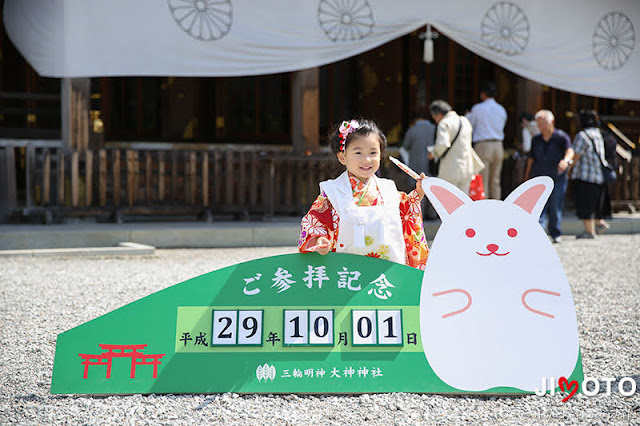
(611, 156)
(452, 146)
(488, 119)
(551, 155)
(587, 175)
(529, 128)
(417, 141)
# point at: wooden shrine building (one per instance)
(212, 147)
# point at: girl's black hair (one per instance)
(366, 128)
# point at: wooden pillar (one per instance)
(451, 75)
(8, 185)
(530, 96)
(75, 93)
(572, 114)
(305, 106)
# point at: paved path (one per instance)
(277, 233)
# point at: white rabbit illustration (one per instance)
(495, 305)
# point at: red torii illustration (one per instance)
(121, 351)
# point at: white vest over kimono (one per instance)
(367, 229)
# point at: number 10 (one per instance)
(303, 327)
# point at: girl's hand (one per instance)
(419, 189)
(322, 245)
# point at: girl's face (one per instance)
(362, 156)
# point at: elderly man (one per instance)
(488, 119)
(453, 146)
(551, 155)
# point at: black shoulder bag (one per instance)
(609, 173)
(434, 165)
(454, 139)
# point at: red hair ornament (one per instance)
(345, 128)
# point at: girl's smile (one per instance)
(362, 156)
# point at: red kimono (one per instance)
(322, 220)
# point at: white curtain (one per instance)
(583, 46)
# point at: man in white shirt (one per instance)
(488, 119)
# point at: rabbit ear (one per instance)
(532, 195)
(445, 197)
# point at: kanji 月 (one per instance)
(382, 285)
(343, 338)
(282, 280)
(317, 274)
(347, 278)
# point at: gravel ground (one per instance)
(41, 297)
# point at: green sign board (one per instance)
(298, 323)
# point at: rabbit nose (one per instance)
(492, 247)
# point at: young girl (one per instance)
(360, 213)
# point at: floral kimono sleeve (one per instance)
(416, 249)
(321, 220)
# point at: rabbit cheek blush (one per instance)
(495, 305)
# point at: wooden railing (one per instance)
(40, 178)
(624, 197)
(121, 182)
(626, 194)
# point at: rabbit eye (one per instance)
(512, 232)
(470, 233)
